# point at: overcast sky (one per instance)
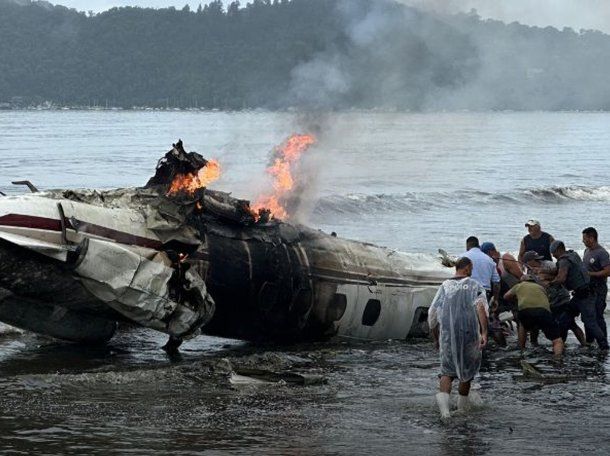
(587, 14)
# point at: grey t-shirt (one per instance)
(596, 260)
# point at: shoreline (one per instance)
(77, 108)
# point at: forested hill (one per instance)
(307, 54)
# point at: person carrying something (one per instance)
(535, 313)
(597, 261)
(544, 272)
(572, 273)
(508, 269)
(483, 269)
(536, 240)
(458, 321)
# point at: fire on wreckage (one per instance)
(180, 258)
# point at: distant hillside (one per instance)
(314, 54)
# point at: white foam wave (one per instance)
(6, 330)
(359, 203)
(576, 193)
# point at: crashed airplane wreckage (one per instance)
(74, 263)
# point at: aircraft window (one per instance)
(337, 307)
(419, 327)
(371, 312)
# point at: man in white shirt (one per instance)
(483, 269)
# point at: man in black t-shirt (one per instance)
(536, 240)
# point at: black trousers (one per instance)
(601, 291)
(585, 303)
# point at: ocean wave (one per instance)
(358, 203)
(570, 193)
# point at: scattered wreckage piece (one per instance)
(28, 184)
(446, 259)
(198, 260)
(532, 374)
(268, 368)
(249, 376)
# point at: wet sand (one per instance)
(131, 398)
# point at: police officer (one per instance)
(597, 261)
(572, 273)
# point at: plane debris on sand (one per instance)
(180, 258)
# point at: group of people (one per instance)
(543, 296)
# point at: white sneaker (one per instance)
(442, 399)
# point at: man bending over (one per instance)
(535, 313)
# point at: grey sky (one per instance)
(587, 14)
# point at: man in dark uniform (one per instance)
(559, 298)
(536, 240)
(597, 260)
(572, 273)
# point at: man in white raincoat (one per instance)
(458, 320)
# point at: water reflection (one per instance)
(129, 397)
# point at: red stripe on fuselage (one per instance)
(42, 223)
(28, 221)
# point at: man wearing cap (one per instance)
(573, 274)
(507, 265)
(458, 321)
(543, 273)
(597, 260)
(483, 268)
(536, 240)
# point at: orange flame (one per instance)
(271, 204)
(189, 183)
(287, 155)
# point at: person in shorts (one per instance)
(535, 313)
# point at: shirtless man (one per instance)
(510, 272)
(508, 268)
